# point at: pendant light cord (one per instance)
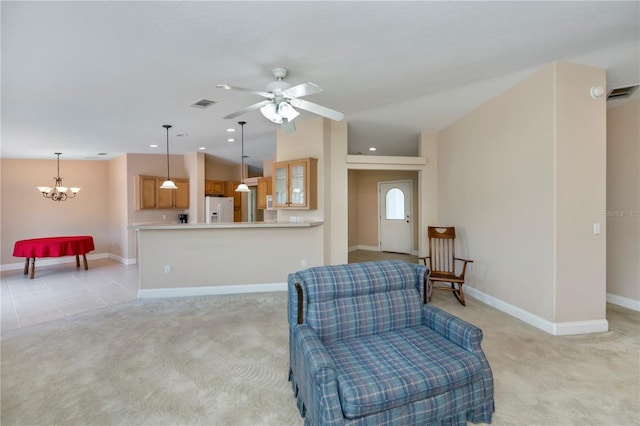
(167, 126)
(242, 123)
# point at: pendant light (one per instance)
(168, 184)
(58, 192)
(243, 186)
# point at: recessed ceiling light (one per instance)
(202, 148)
(182, 134)
(231, 130)
(231, 140)
(153, 145)
(102, 153)
(373, 148)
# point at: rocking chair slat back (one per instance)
(442, 249)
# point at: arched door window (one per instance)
(394, 204)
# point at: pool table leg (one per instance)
(33, 268)
(26, 266)
(86, 265)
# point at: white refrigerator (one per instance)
(218, 209)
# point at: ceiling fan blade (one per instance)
(242, 89)
(317, 109)
(288, 126)
(247, 109)
(303, 89)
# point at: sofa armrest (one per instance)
(453, 328)
(315, 374)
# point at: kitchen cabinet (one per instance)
(230, 191)
(151, 196)
(265, 185)
(295, 184)
(212, 187)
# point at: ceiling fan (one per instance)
(281, 100)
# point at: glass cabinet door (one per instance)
(280, 188)
(298, 184)
(295, 184)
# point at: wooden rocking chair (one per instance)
(442, 262)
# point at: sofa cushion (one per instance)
(382, 371)
(350, 317)
(344, 301)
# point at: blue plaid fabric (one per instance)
(369, 353)
(382, 371)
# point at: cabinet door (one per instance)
(298, 184)
(181, 195)
(147, 188)
(280, 188)
(165, 196)
(217, 187)
(264, 189)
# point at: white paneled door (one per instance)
(394, 212)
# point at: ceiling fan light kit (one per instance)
(281, 100)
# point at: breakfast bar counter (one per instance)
(198, 259)
(225, 225)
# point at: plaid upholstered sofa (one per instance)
(365, 350)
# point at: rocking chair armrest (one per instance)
(464, 266)
(424, 259)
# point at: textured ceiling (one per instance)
(89, 77)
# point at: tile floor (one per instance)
(62, 290)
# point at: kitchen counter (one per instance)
(225, 225)
(192, 259)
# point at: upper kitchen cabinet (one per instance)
(212, 187)
(264, 188)
(295, 184)
(151, 196)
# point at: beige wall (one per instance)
(26, 214)
(502, 171)
(217, 169)
(363, 190)
(119, 246)
(221, 257)
(623, 201)
(325, 140)
(580, 156)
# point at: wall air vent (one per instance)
(621, 92)
(202, 103)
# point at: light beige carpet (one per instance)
(223, 360)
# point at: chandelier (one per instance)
(58, 192)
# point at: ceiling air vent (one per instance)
(202, 103)
(621, 92)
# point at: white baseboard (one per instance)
(556, 329)
(49, 261)
(374, 248)
(210, 291)
(623, 301)
(368, 248)
(122, 260)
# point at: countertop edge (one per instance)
(229, 225)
